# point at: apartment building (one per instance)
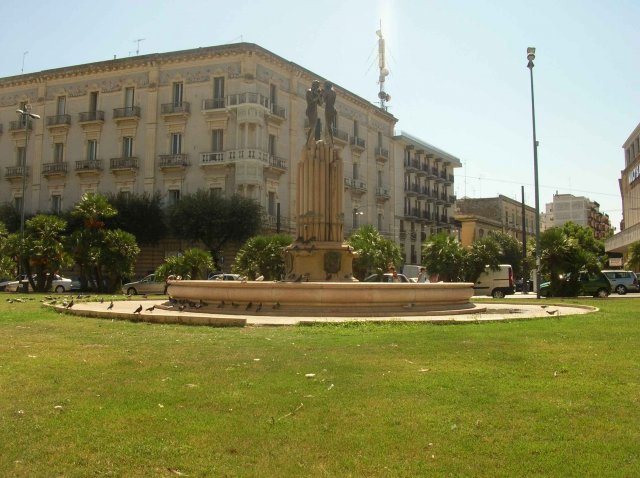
(630, 194)
(479, 216)
(426, 181)
(579, 210)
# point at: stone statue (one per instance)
(330, 113)
(314, 98)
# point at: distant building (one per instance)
(579, 210)
(479, 216)
(630, 193)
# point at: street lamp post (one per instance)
(25, 115)
(531, 55)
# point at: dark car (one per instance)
(596, 285)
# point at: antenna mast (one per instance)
(384, 72)
(138, 46)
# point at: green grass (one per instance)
(92, 397)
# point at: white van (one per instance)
(496, 283)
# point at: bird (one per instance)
(70, 304)
(150, 309)
(544, 306)
(181, 307)
(259, 308)
(221, 305)
(248, 306)
(260, 278)
(276, 305)
(138, 310)
(102, 300)
(552, 312)
(191, 304)
(110, 306)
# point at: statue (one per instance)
(330, 113)
(314, 98)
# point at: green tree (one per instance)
(510, 251)
(141, 215)
(193, 264)
(42, 250)
(262, 255)
(634, 256)
(10, 216)
(7, 262)
(443, 254)
(375, 253)
(215, 220)
(484, 252)
(117, 256)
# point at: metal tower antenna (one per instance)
(23, 55)
(138, 46)
(384, 72)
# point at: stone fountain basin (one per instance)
(325, 298)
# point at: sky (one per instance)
(458, 71)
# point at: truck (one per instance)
(495, 282)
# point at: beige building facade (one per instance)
(630, 193)
(579, 210)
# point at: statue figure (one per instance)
(330, 113)
(314, 98)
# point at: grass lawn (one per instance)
(93, 397)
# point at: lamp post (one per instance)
(531, 55)
(25, 116)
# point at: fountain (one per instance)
(319, 275)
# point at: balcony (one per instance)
(411, 165)
(382, 194)
(215, 112)
(58, 122)
(213, 104)
(125, 165)
(231, 157)
(54, 169)
(129, 113)
(171, 111)
(277, 164)
(357, 144)
(21, 125)
(277, 114)
(452, 198)
(88, 167)
(214, 158)
(248, 98)
(339, 136)
(15, 172)
(403, 235)
(382, 155)
(173, 161)
(413, 235)
(91, 117)
(411, 189)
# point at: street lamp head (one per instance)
(26, 112)
(531, 55)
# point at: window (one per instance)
(61, 105)
(21, 156)
(127, 147)
(92, 150)
(380, 179)
(177, 93)
(56, 203)
(355, 170)
(93, 101)
(355, 128)
(216, 141)
(58, 152)
(273, 96)
(218, 88)
(379, 222)
(174, 196)
(379, 139)
(176, 143)
(271, 206)
(129, 93)
(272, 145)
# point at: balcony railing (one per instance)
(277, 162)
(123, 163)
(174, 160)
(278, 111)
(17, 125)
(58, 120)
(15, 172)
(54, 168)
(381, 153)
(126, 112)
(382, 192)
(212, 158)
(175, 108)
(213, 104)
(242, 98)
(89, 165)
(340, 135)
(91, 116)
(357, 142)
(234, 155)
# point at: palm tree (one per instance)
(443, 254)
(634, 256)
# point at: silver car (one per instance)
(148, 285)
(622, 281)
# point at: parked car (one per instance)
(520, 282)
(5, 282)
(147, 285)
(622, 281)
(386, 277)
(225, 277)
(596, 285)
(58, 284)
(495, 282)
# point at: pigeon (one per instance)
(150, 309)
(248, 306)
(552, 312)
(70, 304)
(544, 306)
(259, 308)
(110, 306)
(138, 310)
(102, 300)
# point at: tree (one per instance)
(42, 251)
(510, 251)
(10, 216)
(634, 256)
(262, 256)
(375, 253)
(117, 256)
(215, 220)
(141, 215)
(193, 264)
(7, 262)
(484, 252)
(443, 254)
